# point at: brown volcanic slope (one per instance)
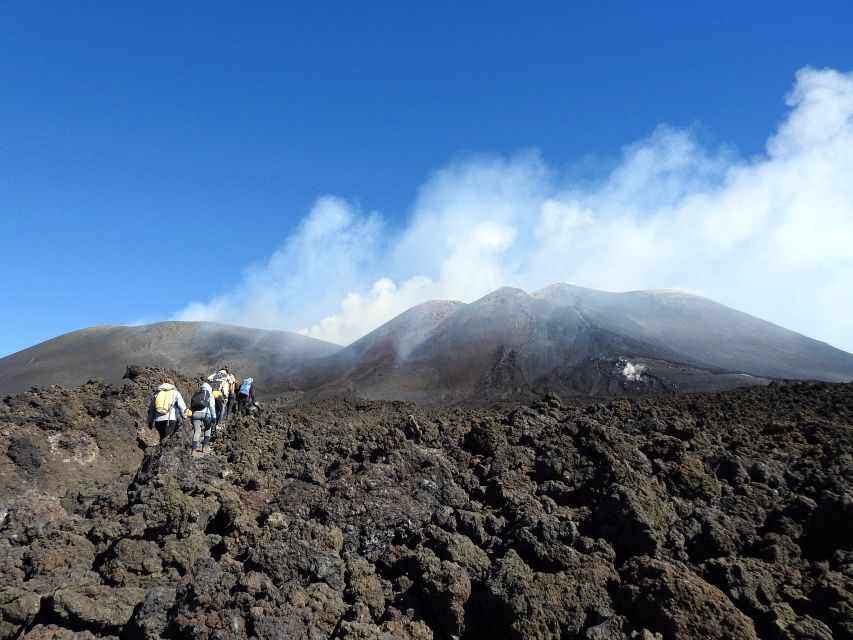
(508, 346)
(575, 341)
(192, 347)
(373, 360)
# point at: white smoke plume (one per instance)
(633, 372)
(770, 235)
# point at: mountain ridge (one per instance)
(687, 342)
(505, 346)
(105, 351)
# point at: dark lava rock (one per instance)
(704, 516)
(97, 607)
(673, 600)
(25, 454)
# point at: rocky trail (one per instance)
(700, 516)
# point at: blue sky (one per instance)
(162, 159)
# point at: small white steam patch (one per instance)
(74, 447)
(633, 372)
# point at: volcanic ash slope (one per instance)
(511, 346)
(707, 516)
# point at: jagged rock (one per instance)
(11, 564)
(129, 561)
(100, 607)
(459, 550)
(312, 612)
(297, 562)
(635, 520)
(59, 558)
(25, 454)
(365, 587)
(671, 599)
(52, 632)
(151, 619)
(610, 629)
(440, 588)
(832, 596)
(204, 596)
(184, 552)
(31, 516)
(524, 604)
(18, 608)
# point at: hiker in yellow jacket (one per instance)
(166, 409)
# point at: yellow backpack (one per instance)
(164, 401)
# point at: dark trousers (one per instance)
(166, 428)
(231, 407)
(243, 403)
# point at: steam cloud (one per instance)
(769, 235)
(633, 372)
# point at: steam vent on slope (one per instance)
(723, 515)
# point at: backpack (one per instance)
(219, 382)
(246, 387)
(164, 401)
(199, 400)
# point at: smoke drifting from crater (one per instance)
(769, 235)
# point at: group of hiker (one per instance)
(218, 397)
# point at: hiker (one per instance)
(231, 406)
(220, 382)
(203, 412)
(218, 402)
(246, 395)
(166, 409)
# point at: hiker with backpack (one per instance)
(231, 406)
(220, 382)
(166, 409)
(246, 395)
(203, 413)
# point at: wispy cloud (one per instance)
(769, 235)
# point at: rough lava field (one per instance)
(696, 516)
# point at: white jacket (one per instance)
(223, 385)
(178, 404)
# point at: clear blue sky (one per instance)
(150, 151)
